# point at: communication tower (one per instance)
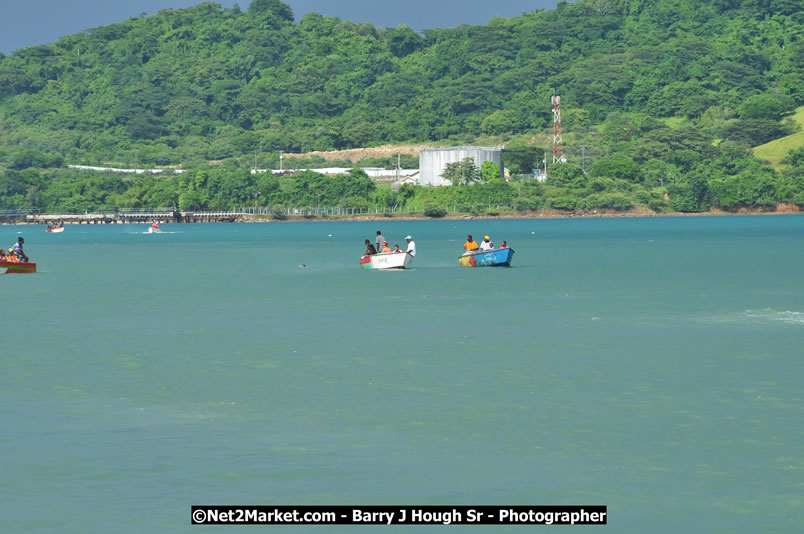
(558, 142)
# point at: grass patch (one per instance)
(775, 151)
(673, 122)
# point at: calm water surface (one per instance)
(651, 365)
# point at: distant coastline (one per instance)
(784, 209)
(781, 209)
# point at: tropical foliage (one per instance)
(661, 101)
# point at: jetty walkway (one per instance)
(132, 217)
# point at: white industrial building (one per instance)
(433, 161)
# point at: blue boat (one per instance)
(500, 257)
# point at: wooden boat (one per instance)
(10, 267)
(388, 260)
(500, 257)
(55, 230)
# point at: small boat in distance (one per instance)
(154, 229)
(388, 260)
(55, 229)
(500, 257)
(10, 267)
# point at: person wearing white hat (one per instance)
(411, 246)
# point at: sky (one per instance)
(34, 22)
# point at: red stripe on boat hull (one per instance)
(14, 267)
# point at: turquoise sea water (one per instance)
(651, 365)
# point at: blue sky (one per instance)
(33, 22)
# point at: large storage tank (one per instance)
(433, 161)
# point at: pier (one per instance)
(133, 217)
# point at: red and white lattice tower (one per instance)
(558, 143)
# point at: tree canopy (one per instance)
(649, 88)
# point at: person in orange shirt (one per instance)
(385, 248)
(470, 245)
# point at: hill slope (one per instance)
(207, 83)
(652, 92)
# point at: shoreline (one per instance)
(782, 209)
(558, 214)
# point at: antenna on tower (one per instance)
(558, 142)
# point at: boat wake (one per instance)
(768, 315)
(761, 316)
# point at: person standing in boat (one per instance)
(370, 250)
(486, 244)
(17, 250)
(411, 246)
(379, 241)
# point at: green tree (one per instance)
(271, 7)
(795, 157)
(754, 132)
(615, 166)
(354, 202)
(766, 106)
(403, 41)
(490, 172)
(384, 198)
(692, 194)
(566, 175)
(522, 158)
(407, 192)
(461, 172)
(501, 121)
(434, 210)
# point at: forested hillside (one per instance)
(661, 100)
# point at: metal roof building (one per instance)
(433, 161)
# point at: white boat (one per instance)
(388, 260)
(152, 230)
(55, 229)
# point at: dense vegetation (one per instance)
(661, 102)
